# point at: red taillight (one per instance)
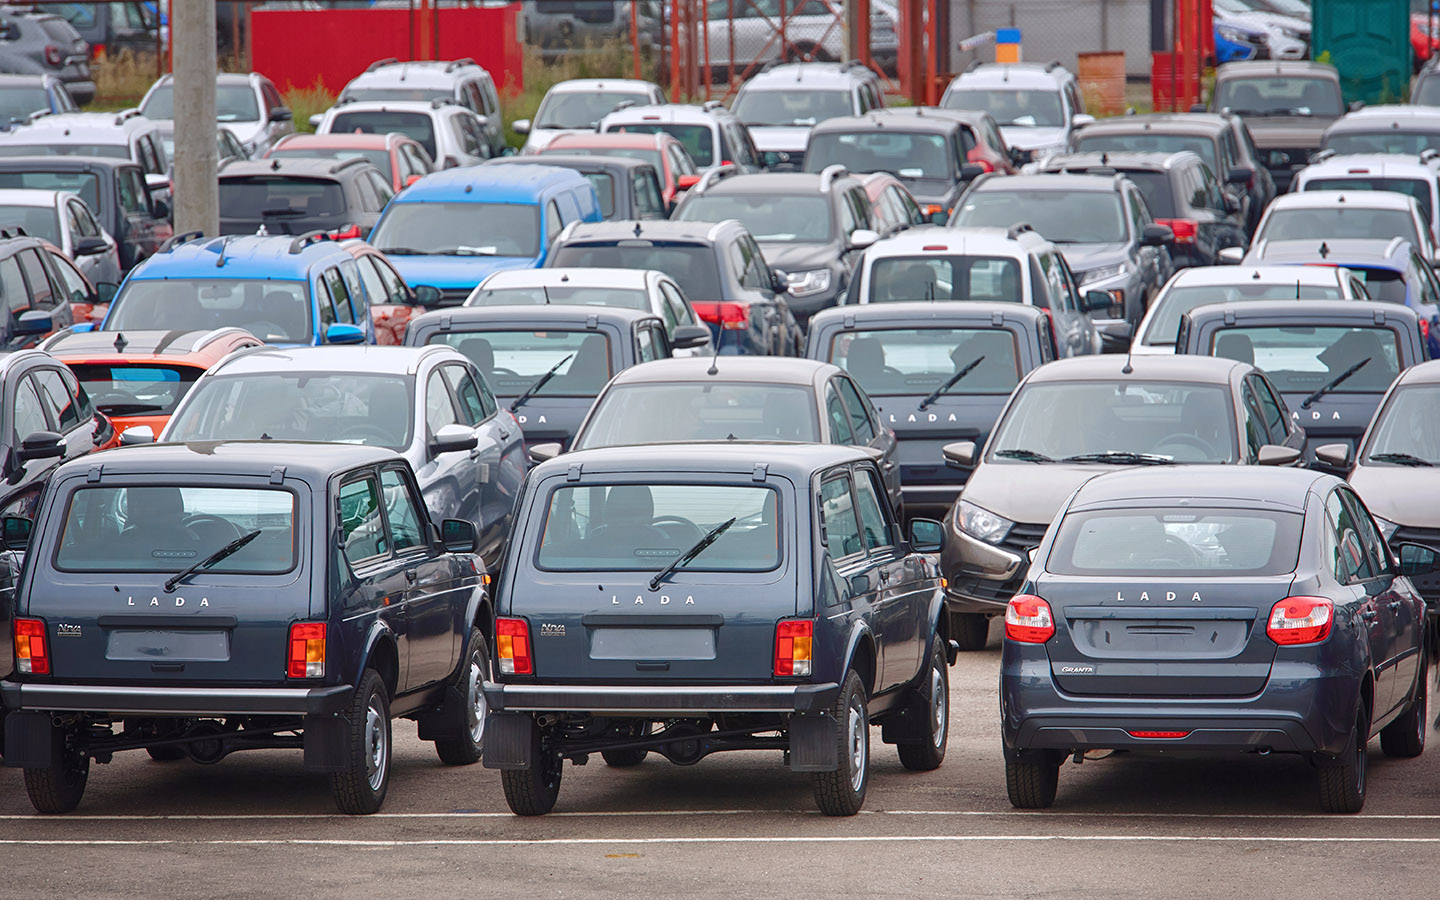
(728, 315)
(977, 157)
(939, 247)
(32, 657)
(1424, 330)
(1300, 620)
(307, 650)
(512, 647)
(52, 55)
(793, 639)
(352, 231)
(1028, 620)
(1186, 230)
(1159, 735)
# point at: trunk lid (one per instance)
(921, 433)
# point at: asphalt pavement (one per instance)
(735, 825)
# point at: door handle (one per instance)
(1395, 604)
(474, 452)
(1368, 615)
(884, 574)
(410, 576)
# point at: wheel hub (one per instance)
(478, 708)
(377, 750)
(939, 704)
(858, 747)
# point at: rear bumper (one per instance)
(671, 700)
(175, 701)
(1231, 731)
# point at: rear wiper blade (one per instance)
(1402, 459)
(227, 550)
(951, 382)
(1333, 383)
(538, 384)
(1122, 457)
(1026, 455)
(282, 212)
(690, 554)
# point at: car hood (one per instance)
(1083, 257)
(1031, 137)
(929, 190)
(798, 257)
(1027, 492)
(244, 132)
(1287, 131)
(773, 138)
(540, 138)
(455, 271)
(1401, 494)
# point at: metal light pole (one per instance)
(197, 191)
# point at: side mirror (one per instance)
(1198, 108)
(544, 452)
(318, 117)
(927, 535)
(450, 162)
(861, 238)
(427, 295)
(1230, 256)
(1355, 106)
(520, 126)
(459, 536)
(35, 321)
(1415, 559)
(409, 180)
(90, 246)
(970, 172)
(105, 291)
(939, 217)
(1232, 204)
(1081, 120)
(688, 336)
(779, 281)
(1276, 455)
(1095, 301)
(281, 114)
(1240, 175)
(159, 209)
(1115, 337)
(1335, 456)
(15, 532)
(137, 434)
(960, 453)
(686, 182)
(342, 333)
(154, 181)
(451, 439)
(1156, 235)
(41, 445)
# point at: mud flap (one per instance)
(325, 744)
(812, 744)
(31, 741)
(509, 738)
(908, 725)
(440, 722)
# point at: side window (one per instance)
(132, 192)
(327, 306)
(757, 271)
(71, 281)
(374, 284)
(1139, 217)
(439, 408)
(848, 220)
(1370, 537)
(1351, 561)
(83, 407)
(407, 522)
(859, 411)
(362, 531)
(271, 96)
(17, 297)
(340, 293)
(368, 199)
(1273, 409)
(395, 289)
(647, 194)
(1040, 282)
(837, 517)
(59, 399)
(677, 312)
(1231, 153)
(840, 430)
(25, 503)
(464, 388)
(872, 517)
(1255, 435)
(42, 294)
(645, 348)
(487, 397)
(72, 222)
(553, 223)
(29, 414)
(88, 226)
(470, 96)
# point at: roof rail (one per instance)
(974, 64)
(709, 178)
(1325, 154)
(849, 64)
(124, 114)
(1052, 65)
(347, 163)
(829, 174)
(1019, 228)
(182, 238)
(709, 105)
(1428, 154)
(308, 238)
(17, 232)
(387, 61)
(443, 101)
(460, 63)
(623, 104)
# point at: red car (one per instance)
(892, 208)
(401, 159)
(392, 302)
(668, 156)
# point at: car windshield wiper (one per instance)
(405, 251)
(1122, 457)
(693, 552)
(1401, 459)
(282, 212)
(1333, 383)
(951, 382)
(538, 384)
(1026, 455)
(230, 548)
(128, 409)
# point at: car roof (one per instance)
(1204, 276)
(612, 139)
(709, 370)
(44, 163)
(1254, 68)
(313, 462)
(766, 183)
(78, 126)
(1125, 159)
(353, 358)
(1262, 486)
(482, 184)
(577, 162)
(342, 140)
(1384, 252)
(416, 106)
(1018, 75)
(1423, 373)
(421, 73)
(651, 229)
(306, 166)
(918, 313)
(1111, 366)
(244, 256)
(1195, 123)
(919, 241)
(30, 197)
(881, 119)
(1064, 181)
(795, 461)
(624, 279)
(220, 78)
(1311, 312)
(1330, 199)
(15, 79)
(667, 112)
(1381, 164)
(813, 75)
(620, 85)
(552, 315)
(1401, 115)
(138, 345)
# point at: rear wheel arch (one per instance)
(862, 660)
(382, 656)
(1367, 692)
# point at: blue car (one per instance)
(451, 229)
(288, 291)
(1236, 41)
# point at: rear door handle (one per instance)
(410, 576)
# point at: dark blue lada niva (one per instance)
(692, 598)
(198, 599)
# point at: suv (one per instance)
(796, 651)
(296, 196)
(626, 188)
(1008, 265)
(1287, 106)
(579, 104)
(451, 134)
(1410, 130)
(461, 81)
(124, 135)
(115, 28)
(38, 291)
(782, 102)
(719, 266)
(1417, 176)
(36, 43)
(1037, 105)
(811, 227)
(22, 96)
(1321, 215)
(739, 36)
(710, 133)
(400, 159)
(247, 103)
(252, 586)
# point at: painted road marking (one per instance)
(788, 839)
(638, 813)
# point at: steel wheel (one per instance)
(939, 708)
(858, 737)
(377, 742)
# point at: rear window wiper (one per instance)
(227, 550)
(1026, 455)
(953, 380)
(282, 212)
(1402, 459)
(690, 554)
(1122, 457)
(538, 384)
(1333, 383)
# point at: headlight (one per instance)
(1233, 35)
(813, 281)
(1294, 35)
(1102, 273)
(1387, 528)
(981, 523)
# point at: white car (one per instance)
(64, 220)
(578, 105)
(246, 103)
(783, 102)
(1416, 176)
(452, 134)
(1328, 215)
(1036, 105)
(812, 30)
(1198, 286)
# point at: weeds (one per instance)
(306, 102)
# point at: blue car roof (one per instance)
(245, 256)
(497, 184)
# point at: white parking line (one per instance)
(788, 839)
(641, 813)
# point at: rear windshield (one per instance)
(1303, 358)
(274, 311)
(411, 124)
(580, 109)
(785, 218)
(693, 266)
(1411, 187)
(698, 140)
(279, 197)
(19, 102)
(901, 278)
(1176, 542)
(1338, 222)
(168, 529)
(1165, 326)
(645, 527)
(916, 361)
(1155, 188)
(791, 107)
(1026, 108)
(513, 361)
(906, 156)
(459, 229)
(570, 296)
(38, 221)
(1279, 96)
(85, 184)
(1386, 140)
(135, 390)
(1152, 142)
(701, 411)
(1064, 217)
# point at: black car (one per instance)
(925, 148)
(1286, 104)
(811, 227)
(720, 267)
(1246, 611)
(546, 364)
(297, 196)
(1332, 362)
(215, 597)
(751, 597)
(34, 42)
(937, 373)
(627, 188)
(41, 291)
(1182, 195)
(114, 189)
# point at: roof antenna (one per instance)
(714, 370)
(637, 228)
(121, 343)
(1324, 250)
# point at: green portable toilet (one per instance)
(1368, 41)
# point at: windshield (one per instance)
(380, 159)
(459, 229)
(512, 361)
(901, 278)
(1190, 423)
(1331, 222)
(1165, 326)
(807, 107)
(644, 527)
(1150, 142)
(915, 361)
(781, 218)
(645, 154)
(1383, 140)
(107, 151)
(698, 140)
(279, 197)
(165, 529)
(1065, 217)
(701, 411)
(343, 407)
(233, 103)
(86, 184)
(580, 109)
(272, 310)
(1410, 187)
(119, 389)
(1304, 358)
(575, 296)
(906, 156)
(1276, 95)
(414, 125)
(1176, 542)
(38, 221)
(1011, 107)
(1409, 424)
(692, 266)
(19, 102)
(1383, 284)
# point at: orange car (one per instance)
(677, 170)
(392, 302)
(138, 377)
(401, 159)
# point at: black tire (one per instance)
(842, 791)
(1404, 738)
(969, 630)
(470, 715)
(1031, 783)
(532, 791)
(932, 701)
(167, 753)
(58, 788)
(360, 788)
(1342, 786)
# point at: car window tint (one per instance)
(439, 409)
(840, 430)
(395, 288)
(1255, 432)
(464, 387)
(374, 285)
(369, 201)
(487, 396)
(17, 297)
(645, 349)
(859, 413)
(29, 414)
(1350, 560)
(72, 282)
(407, 522)
(132, 192)
(362, 531)
(837, 517)
(83, 406)
(42, 296)
(58, 397)
(1375, 549)
(872, 517)
(340, 294)
(1273, 409)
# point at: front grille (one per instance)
(454, 296)
(1427, 585)
(1021, 538)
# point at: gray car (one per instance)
(33, 44)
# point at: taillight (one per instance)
(1159, 735)
(52, 55)
(32, 657)
(1028, 620)
(350, 231)
(1424, 331)
(977, 157)
(793, 638)
(307, 650)
(728, 315)
(1300, 620)
(1186, 230)
(512, 647)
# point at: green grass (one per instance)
(306, 102)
